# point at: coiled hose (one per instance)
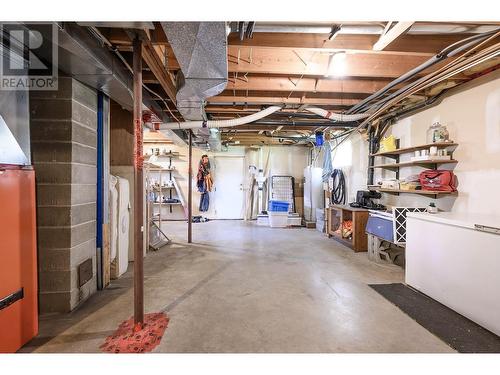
(338, 190)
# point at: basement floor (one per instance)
(245, 288)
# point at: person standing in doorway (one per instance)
(204, 182)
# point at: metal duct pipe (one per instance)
(449, 51)
(371, 29)
(336, 116)
(201, 50)
(220, 123)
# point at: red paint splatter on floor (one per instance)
(130, 339)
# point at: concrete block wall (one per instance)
(63, 129)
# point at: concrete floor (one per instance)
(245, 288)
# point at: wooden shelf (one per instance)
(416, 148)
(346, 241)
(172, 155)
(168, 204)
(422, 192)
(163, 188)
(159, 141)
(414, 163)
(161, 169)
(337, 214)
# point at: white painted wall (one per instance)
(472, 117)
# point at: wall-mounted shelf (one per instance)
(405, 150)
(167, 155)
(161, 169)
(165, 142)
(421, 192)
(168, 204)
(424, 163)
(162, 188)
(396, 165)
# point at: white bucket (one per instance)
(278, 219)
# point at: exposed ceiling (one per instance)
(297, 65)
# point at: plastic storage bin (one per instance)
(278, 219)
(263, 220)
(278, 206)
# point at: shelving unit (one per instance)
(155, 214)
(430, 164)
(337, 215)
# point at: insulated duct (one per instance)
(201, 50)
(220, 123)
(336, 116)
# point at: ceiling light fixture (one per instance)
(337, 65)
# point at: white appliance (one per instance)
(120, 264)
(313, 192)
(113, 220)
(455, 259)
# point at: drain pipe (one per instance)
(220, 123)
(449, 51)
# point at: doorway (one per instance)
(228, 190)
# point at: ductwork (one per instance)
(336, 116)
(220, 123)
(374, 29)
(201, 50)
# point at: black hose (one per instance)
(338, 190)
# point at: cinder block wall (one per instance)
(64, 154)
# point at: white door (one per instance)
(228, 185)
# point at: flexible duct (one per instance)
(337, 116)
(220, 123)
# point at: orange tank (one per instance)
(18, 266)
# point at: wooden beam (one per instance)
(409, 43)
(270, 83)
(312, 63)
(390, 36)
(158, 69)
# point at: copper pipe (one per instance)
(190, 188)
(138, 189)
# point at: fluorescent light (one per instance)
(337, 65)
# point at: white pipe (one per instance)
(337, 116)
(220, 123)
